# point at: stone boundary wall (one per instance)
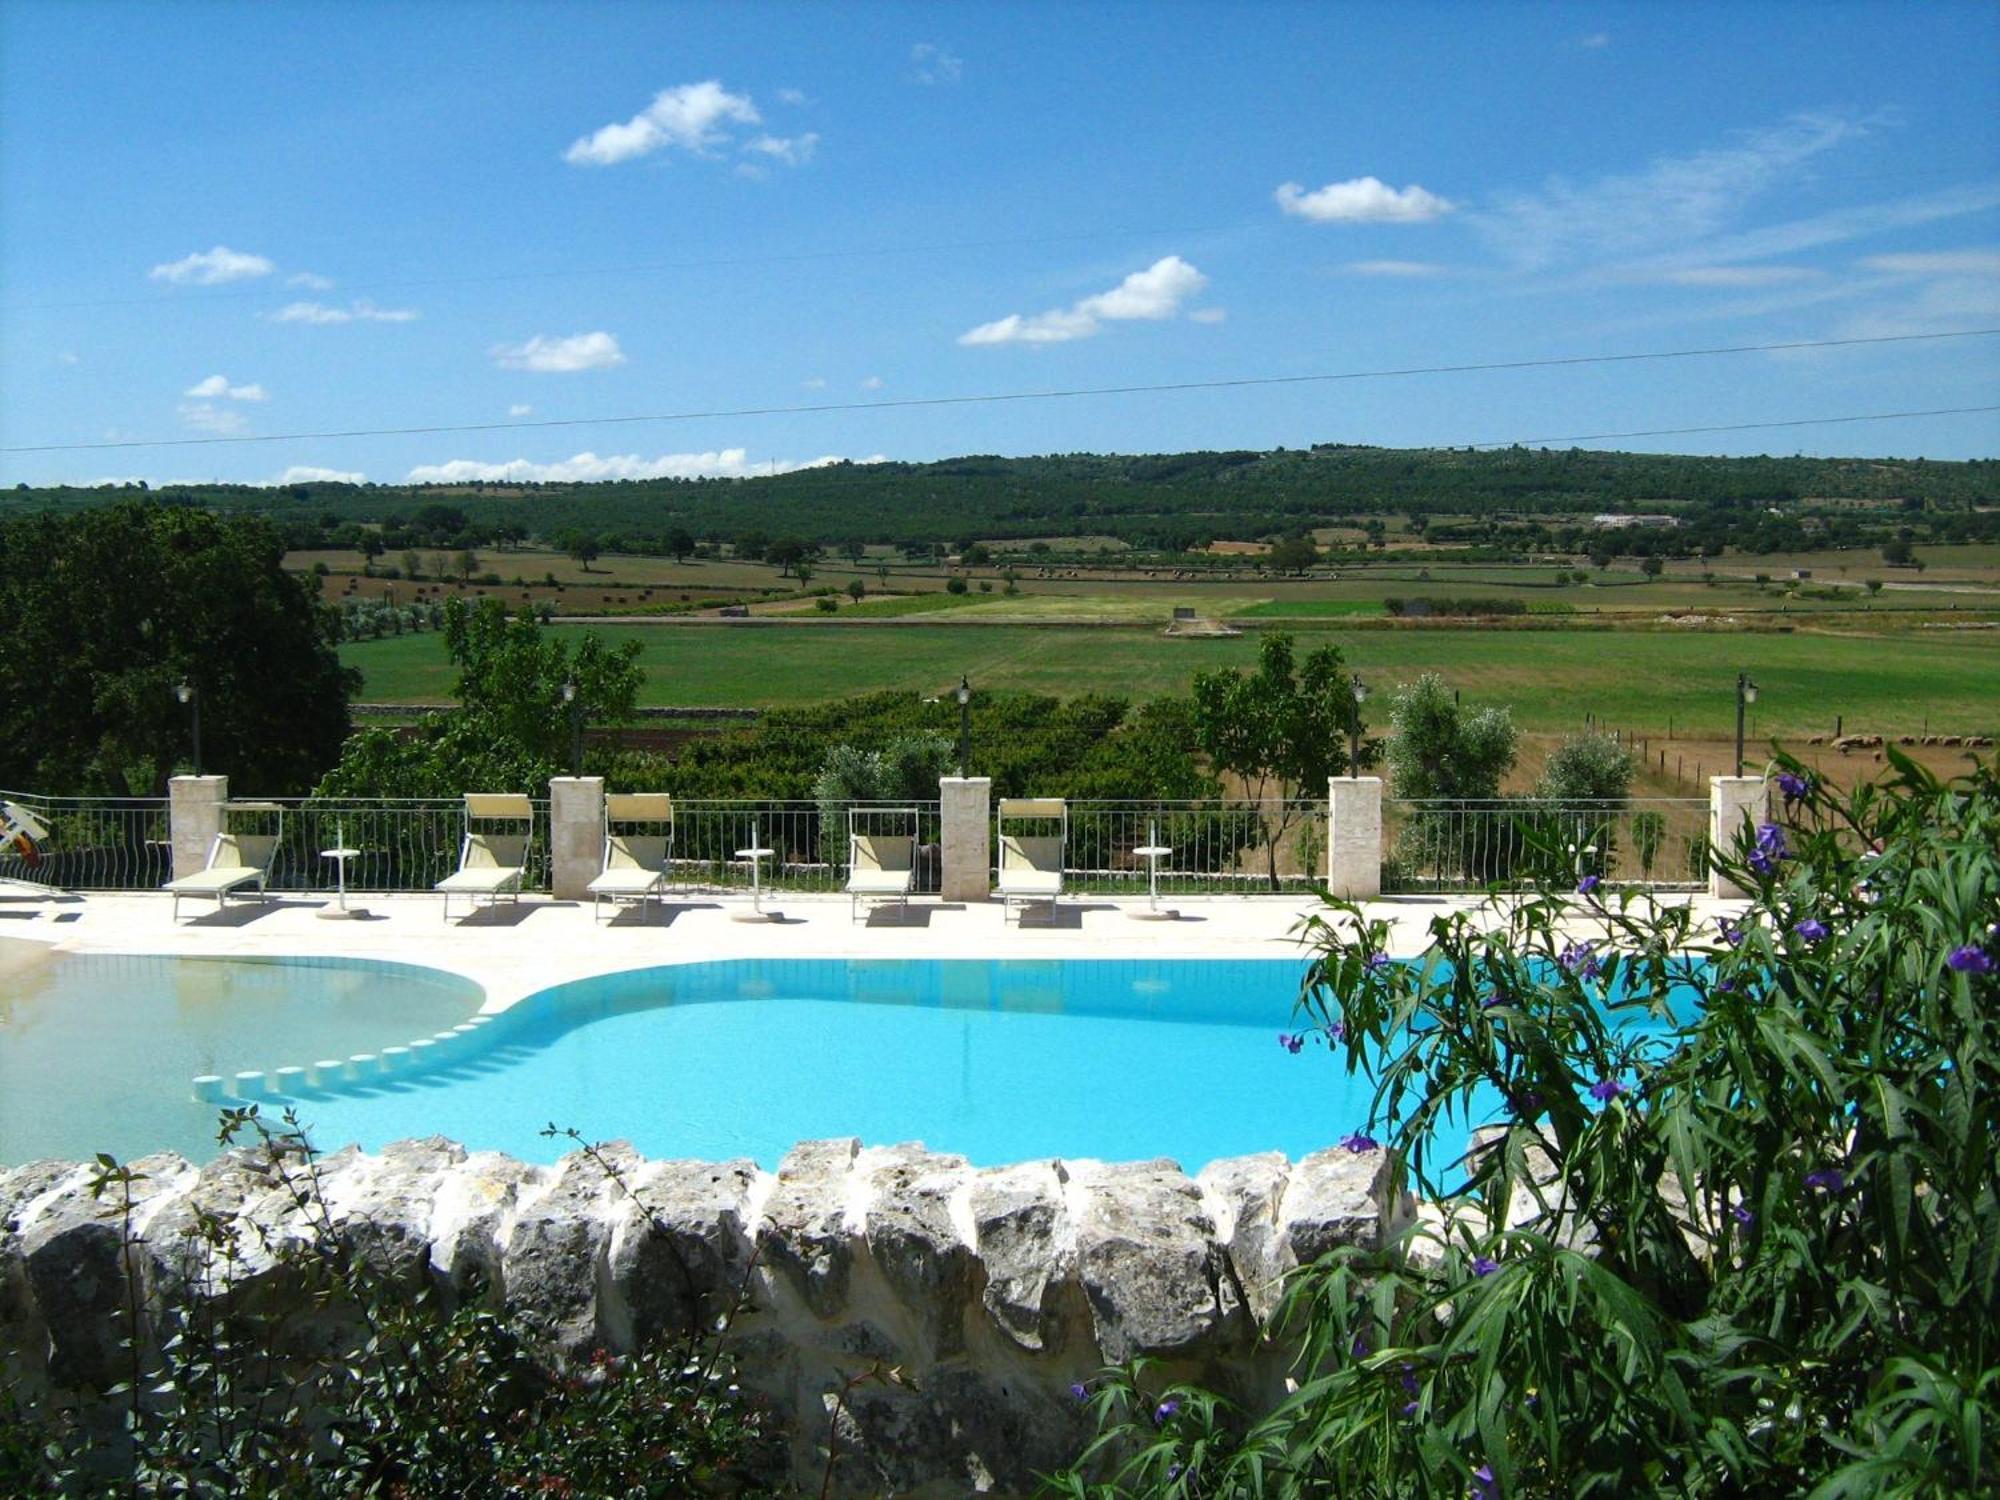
(992, 1289)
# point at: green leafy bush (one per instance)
(1749, 1248)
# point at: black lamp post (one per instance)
(189, 694)
(964, 722)
(1746, 694)
(575, 727)
(1354, 727)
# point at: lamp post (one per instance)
(1746, 694)
(1354, 727)
(964, 695)
(189, 694)
(575, 727)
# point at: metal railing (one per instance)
(399, 844)
(93, 843)
(1470, 845)
(807, 840)
(1214, 848)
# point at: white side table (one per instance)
(340, 911)
(756, 854)
(1153, 851)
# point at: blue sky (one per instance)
(233, 220)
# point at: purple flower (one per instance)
(1732, 932)
(1827, 1180)
(1335, 1031)
(1361, 1144)
(1529, 1103)
(1969, 960)
(1489, 1000)
(1377, 962)
(1080, 1391)
(1606, 1089)
(1812, 929)
(1725, 986)
(1588, 884)
(1173, 1471)
(1771, 841)
(1359, 1348)
(1484, 1486)
(1291, 1043)
(1409, 1408)
(1581, 959)
(1742, 1215)
(1793, 785)
(1165, 1410)
(1409, 1378)
(1484, 1265)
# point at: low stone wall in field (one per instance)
(992, 1290)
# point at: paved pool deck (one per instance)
(514, 950)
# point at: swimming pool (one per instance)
(96, 1050)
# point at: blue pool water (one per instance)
(96, 1051)
(999, 1062)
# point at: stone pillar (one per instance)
(194, 818)
(1354, 837)
(576, 835)
(966, 819)
(1734, 803)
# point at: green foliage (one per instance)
(388, 1391)
(106, 611)
(1437, 751)
(1733, 1226)
(512, 727)
(1587, 768)
(1282, 730)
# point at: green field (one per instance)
(1891, 682)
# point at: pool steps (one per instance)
(419, 1055)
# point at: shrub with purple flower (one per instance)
(1588, 884)
(1811, 930)
(1795, 787)
(1769, 850)
(1606, 1089)
(1291, 1042)
(1164, 1412)
(1969, 960)
(1827, 1180)
(1360, 1144)
(1581, 959)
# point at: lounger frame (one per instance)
(1030, 865)
(880, 866)
(491, 864)
(629, 855)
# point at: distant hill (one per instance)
(1167, 501)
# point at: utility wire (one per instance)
(997, 397)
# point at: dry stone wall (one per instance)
(992, 1290)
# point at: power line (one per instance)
(998, 397)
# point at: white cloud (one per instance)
(310, 474)
(1152, 294)
(67, 358)
(212, 267)
(361, 310)
(310, 281)
(205, 416)
(1944, 304)
(1597, 41)
(1405, 268)
(725, 463)
(1734, 276)
(872, 383)
(793, 151)
(934, 64)
(1674, 202)
(520, 409)
(814, 383)
(1362, 200)
(690, 116)
(794, 97)
(218, 385)
(1937, 263)
(580, 351)
(1209, 315)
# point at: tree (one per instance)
(956, 584)
(1281, 730)
(1444, 759)
(370, 547)
(581, 546)
(1587, 768)
(787, 552)
(1294, 553)
(1652, 567)
(1897, 553)
(108, 610)
(854, 549)
(856, 589)
(680, 543)
(803, 571)
(413, 564)
(467, 563)
(511, 728)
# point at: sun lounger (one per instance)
(879, 865)
(635, 864)
(491, 861)
(1031, 864)
(235, 860)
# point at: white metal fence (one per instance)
(1470, 845)
(1213, 848)
(92, 843)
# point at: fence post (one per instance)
(194, 818)
(965, 819)
(1354, 837)
(576, 834)
(1734, 802)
